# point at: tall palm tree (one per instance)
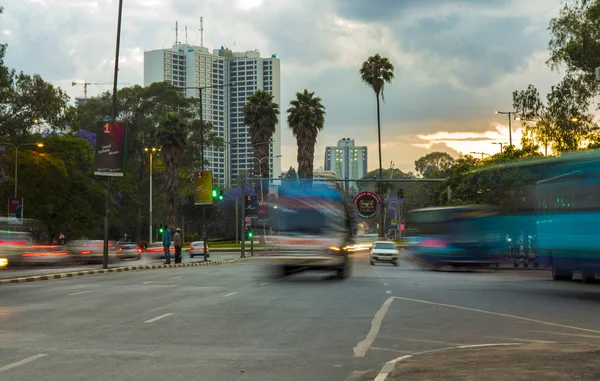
(172, 138)
(376, 71)
(306, 117)
(261, 116)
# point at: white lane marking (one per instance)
(158, 318)
(566, 334)
(152, 281)
(360, 350)
(357, 375)
(389, 292)
(80, 293)
(389, 366)
(264, 284)
(22, 362)
(498, 314)
(385, 284)
(520, 339)
(231, 293)
(176, 277)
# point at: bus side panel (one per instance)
(570, 241)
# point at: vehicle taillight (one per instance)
(139, 250)
(433, 242)
(191, 248)
(120, 249)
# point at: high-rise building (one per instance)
(348, 161)
(193, 66)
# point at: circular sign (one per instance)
(366, 204)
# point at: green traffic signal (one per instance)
(250, 234)
(214, 193)
(161, 230)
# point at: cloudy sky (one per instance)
(456, 61)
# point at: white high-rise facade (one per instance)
(348, 161)
(193, 66)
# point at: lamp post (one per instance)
(152, 151)
(16, 147)
(510, 114)
(502, 144)
(480, 153)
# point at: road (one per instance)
(43, 270)
(230, 322)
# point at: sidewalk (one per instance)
(538, 361)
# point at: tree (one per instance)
(291, 174)
(306, 117)
(376, 71)
(574, 42)
(563, 122)
(172, 137)
(434, 164)
(261, 116)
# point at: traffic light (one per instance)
(401, 193)
(250, 234)
(161, 230)
(221, 195)
(214, 193)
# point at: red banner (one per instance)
(15, 211)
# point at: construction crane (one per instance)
(86, 84)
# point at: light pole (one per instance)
(502, 144)
(152, 151)
(200, 88)
(480, 153)
(16, 147)
(510, 114)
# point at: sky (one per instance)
(455, 61)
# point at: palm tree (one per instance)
(261, 116)
(375, 72)
(306, 117)
(172, 137)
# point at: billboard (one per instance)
(366, 204)
(111, 144)
(203, 183)
(251, 205)
(15, 211)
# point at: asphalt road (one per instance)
(145, 260)
(231, 322)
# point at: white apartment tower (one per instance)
(193, 66)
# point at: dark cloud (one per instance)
(389, 10)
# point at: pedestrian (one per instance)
(166, 239)
(178, 243)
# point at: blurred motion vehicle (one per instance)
(568, 228)
(468, 235)
(197, 248)
(26, 243)
(384, 252)
(155, 250)
(313, 230)
(91, 251)
(129, 251)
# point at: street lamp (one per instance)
(502, 144)
(510, 114)
(16, 147)
(480, 153)
(152, 151)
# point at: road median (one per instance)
(74, 274)
(495, 362)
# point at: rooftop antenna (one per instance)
(201, 32)
(186, 34)
(176, 33)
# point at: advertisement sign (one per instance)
(203, 182)
(366, 204)
(251, 205)
(15, 211)
(111, 144)
(263, 209)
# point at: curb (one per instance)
(389, 366)
(114, 270)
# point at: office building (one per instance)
(348, 161)
(192, 66)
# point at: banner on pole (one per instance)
(203, 182)
(111, 146)
(15, 211)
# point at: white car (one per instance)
(197, 248)
(384, 251)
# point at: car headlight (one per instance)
(3, 262)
